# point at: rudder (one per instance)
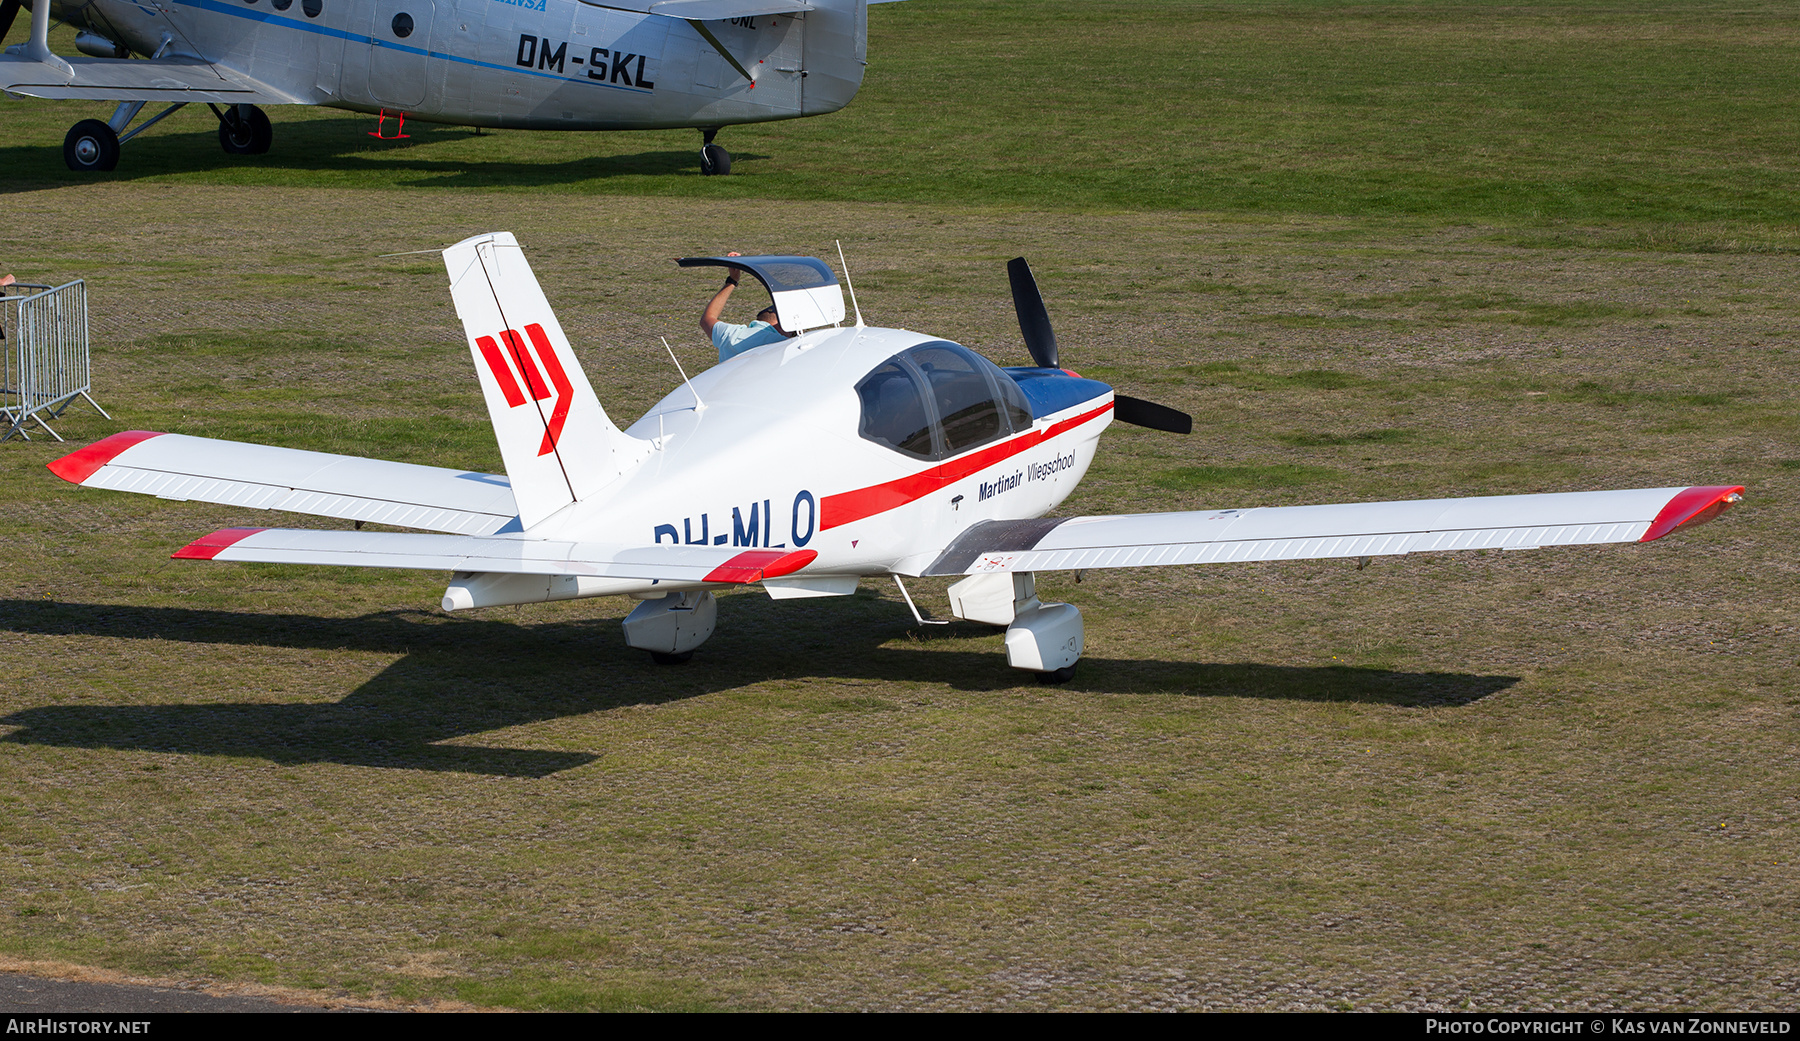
(558, 444)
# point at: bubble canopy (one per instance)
(805, 292)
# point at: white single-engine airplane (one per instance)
(526, 64)
(806, 465)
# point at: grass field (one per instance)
(1379, 251)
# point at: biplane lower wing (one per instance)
(1348, 530)
(124, 79)
(175, 466)
(501, 555)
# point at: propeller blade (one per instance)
(1139, 412)
(1034, 319)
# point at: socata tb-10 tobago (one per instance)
(806, 465)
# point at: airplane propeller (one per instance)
(1040, 340)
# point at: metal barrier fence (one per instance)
(44, 339)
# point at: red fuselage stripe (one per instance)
(845, 507)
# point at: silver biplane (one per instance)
(807, 465)
(523, 64)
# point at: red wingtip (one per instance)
(80, 464)
(791, 563)
(757, 564)
(207, 547)
(1691, 507)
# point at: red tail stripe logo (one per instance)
(565, 391)
(534, 381)
(509, 387)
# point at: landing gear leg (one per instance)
(714, 160)
(243, 129)
(1046, 639)
(94, 146)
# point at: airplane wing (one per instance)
(504, 555)
(124, 79)
(1367, 529)
(175, 466)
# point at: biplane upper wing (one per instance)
(1348, 530)
(124, 79)
(175, 466)
(501, 554)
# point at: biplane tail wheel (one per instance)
(714, 160)
(245, 130)
(665, 658)
(91, 147)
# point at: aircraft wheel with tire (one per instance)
(91, 147)
(665, 658)
(714, 160)
(245, 130)
(1062, 675)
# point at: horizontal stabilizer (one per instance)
(671, 563)
(169, 79)
(1367, 529)
(262, 477)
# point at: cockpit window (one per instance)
(966, 403)
(938, 400)
(893, 411)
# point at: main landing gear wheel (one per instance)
(714, 160)
(664, 658)
(245, 130)
(1062, 675)
(91, 147)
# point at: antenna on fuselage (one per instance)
(847, 285)
(698, 404)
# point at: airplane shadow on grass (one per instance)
(343, 147)
(463, 676)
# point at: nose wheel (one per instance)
(714, 160)
(91, 147)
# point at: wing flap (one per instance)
(721, 564)
(263, 477)
(124, 79)
(1345, 530)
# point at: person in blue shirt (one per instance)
(733, 340)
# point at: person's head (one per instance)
(768, 314)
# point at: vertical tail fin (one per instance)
(557, 442)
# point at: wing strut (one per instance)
(700, 27)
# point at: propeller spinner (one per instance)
(1040, 340)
